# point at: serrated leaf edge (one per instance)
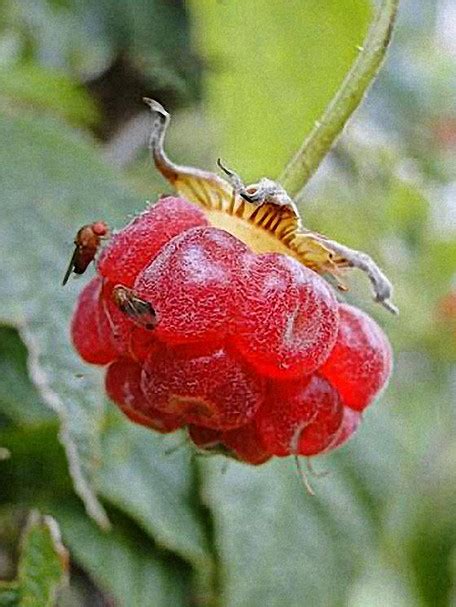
(39, 378)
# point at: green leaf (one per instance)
(157, 489)
(43, 563)
(19, 398)
(278, 545)
(53, 181)
(124, 562)
(275, 66)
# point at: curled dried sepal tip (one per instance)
(262, 215)
(155, 106)
(266, 191)
(382, 287)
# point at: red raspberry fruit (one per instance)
(91, 332)
(300, 417)
(286, 317)
(192, 285)
(211, 389)
(350, 423)
(123, 386)
(361, 361)
(205, 438)
(137, 244)
(226, 318)
(247, 444)
(141, 344)
(244, 442)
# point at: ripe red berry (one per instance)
(252, 351)
(137, 244)
(123, 379)
(350, 423)
(360, 363)
(300, 417)
(244, 443)
(247, 444)
(205, 438)
(90, 330)
(192, 285)
(211, 389)
(286, 317)
(142, 343)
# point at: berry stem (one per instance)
(347, 98)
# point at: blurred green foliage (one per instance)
(267, 59)
(91, 62)
(381, 530)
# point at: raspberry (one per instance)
(123, 379)
(300, 417)
(350, 423)
(287, 317)
(137, 244)
(141, 343)
(211, 389)
(360, 363)
(192, 285)
(205, 438)
(251, 351)
(90, 330)
(245, 443)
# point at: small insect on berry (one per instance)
(87, 243)
(138, 310)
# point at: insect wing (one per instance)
(142, 313)
(83, 258)
(71, 266)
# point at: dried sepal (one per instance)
(262, 215)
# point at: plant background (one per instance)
(244, 82)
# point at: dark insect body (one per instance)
(87, 243)
(138, 310)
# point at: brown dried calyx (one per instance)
(262, 215)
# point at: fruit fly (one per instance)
(138, 310)
(87, 243)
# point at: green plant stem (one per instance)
(350, 94)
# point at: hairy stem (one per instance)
(326, 130)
